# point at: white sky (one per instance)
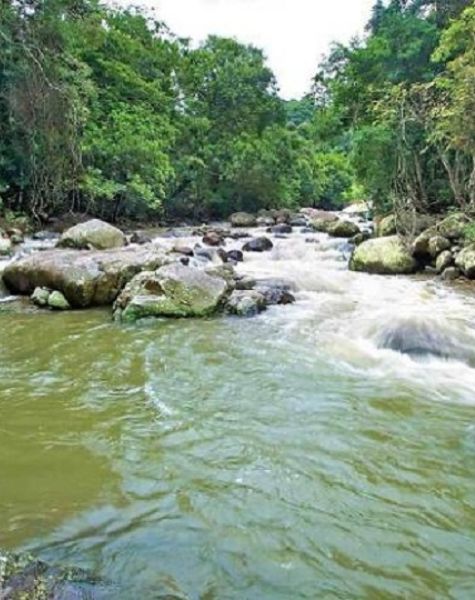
(293, 33)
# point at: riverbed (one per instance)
(324, 449)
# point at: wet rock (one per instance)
(298, 221)
(387, 226)
(283, 215)
(281, 228)
(259, 244)
(22, 577)
(171, 291)
(5, 246)
(275, 291)
(450, 274)
(239, 235)
(465, 261)
(265, 221)
(384, 256)
(181, 248)
(246, 303)
(245, 282)
(40, 296)
(444, 260)
(234, 255)
(85, 278)
(342, 229)
(16, 235)
(322, 222)
(57, 301)
(242, 219)
(140, 237)
(212, 238)
(225, 272)
(92, 234)
(45, 236)
(359, 238)
(438, 244)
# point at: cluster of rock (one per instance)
(443, 248)
(93, 266)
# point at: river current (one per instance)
(324, 449)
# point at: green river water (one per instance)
(286, 456)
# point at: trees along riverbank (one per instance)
(105, 112)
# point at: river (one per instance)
(324, 449)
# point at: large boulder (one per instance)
(465, 261)
(172, 291)
(88, 278)
(92, 234)
(385, 256)
(321, 221)
(242, 219)
(453, 227)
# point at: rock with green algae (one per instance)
(243, 219)
(57, 301)
(465, 261)
(342, 229)
(23, 577)
(384, 256)
(387, 226)
(172, 291)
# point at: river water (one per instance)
(321, 450)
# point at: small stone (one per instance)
(40, 296)
(450, 274)
(212, 238)
(281, 228)
(57, 301)
(245, 303)
(180, 248)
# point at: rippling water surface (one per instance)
(320, 450)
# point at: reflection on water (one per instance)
(308, 452)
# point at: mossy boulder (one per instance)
(453, 227)
(387, 226)
(243, 219)
(384, 256)
(465, 261)
(93, 234)
(321, 221)
(172, 291)
(343, 229)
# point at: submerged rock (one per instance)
(171, 291)
(95, 234)
(243, 219)
(22, 577)
(87, 278)
(384, 256)
(260, 244)
(275, 291)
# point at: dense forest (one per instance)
(105, 111)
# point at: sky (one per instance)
(294, 34)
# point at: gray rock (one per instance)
(245, 282)
(450, 274)
(281, 228)
(275, 291)
(265, 221)
(140, 237)
(260, 244)
(85, 278)
(40, 296)
(171, 291)
(246, 303)
(92, 234)
(242, 219)
(234, 255)
(444, 260)
(438, 244)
